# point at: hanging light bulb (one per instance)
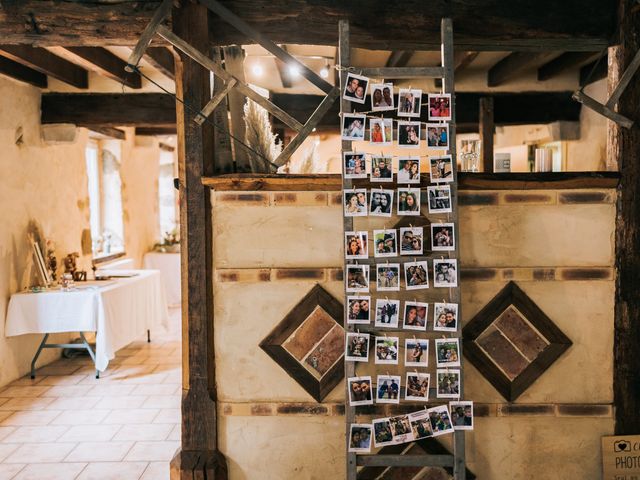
(294, 71)
(257, 70)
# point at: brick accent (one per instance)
(587, 410)
(254, 199)
(586, 274)
(477, 199)
(299, 199)
(538, 198)
(544, 274)
(302, 409)
(336, 274)
(243, 275)
(470, 274)
(586, 197)
(261, 409)
(299, 273)
(522, 409)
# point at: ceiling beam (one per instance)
(20, 72)
(462, 60)
(600, 72)
(283, 71)
(111, 132)
(161, 58)
(563, 63)
(513, 65)
(570, 25)
(154, 131)
(106, 64)
(47, 63)
(399, 58)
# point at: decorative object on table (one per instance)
(52, 261)
(70, 263)
(45, 278)
(66, 282)
(80, 276)
(170, 242)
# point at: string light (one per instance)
(257, 70)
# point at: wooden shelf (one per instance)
(466, 181)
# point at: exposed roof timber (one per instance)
(462, 60)
(161, 58)
(47, 63)
(519, 25)
(600, 72)
(564, 62)
(106, 64)
(283, 71)
(154, 131)
(513, 65)
(24, 74)
(111, 132)
(399, 58)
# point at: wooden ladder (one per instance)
(455, 461)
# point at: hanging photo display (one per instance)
(388, 389)
(388, 277)
(357, 278)
(440, 420)
(415, 315)
(440, 107)
(448, 383)
(409, 134)
(358, 309)
(417, 387)
(387, 313)
(411, 240)
(444, 273)
(441, 169)
(381, 203)
(439, 199)
(355, 202)
(355, 165)
(437, 136)
(461, 415)
(445, 317)
(442, 237)
(447, 352)
(360, 438)
(409, 170)
(381, 168)
(400, 429)
(357, 349)
(386, 350)
(382, 97)
(382, 432)
(416, 352)
(409, 102)
(415, 275)
(409, 201)
(381, 131)
(356, 245)
(360, 391)
(355, 89)
(420, 424)
(353, 126)
(385, 243)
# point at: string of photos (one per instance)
(394, 252)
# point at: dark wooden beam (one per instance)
(46, 63)
(234, 64)
(198, 456)
(399, 58)
(624, 150)
(571, 25)
(110, 110)
(514, 65)
(106, 64)
(462, 61)
(20, 72)
(486, 128)
(155, 131)
(161, 58)
(564, 62)
(110, 132)
(600, 72)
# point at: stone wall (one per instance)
(270, 249)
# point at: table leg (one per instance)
(148, 336)
(91, 354)
(38, 352)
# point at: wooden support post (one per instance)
(624, 145)
(199, 456)
(222, 142)
(486, 127)
(234, 64)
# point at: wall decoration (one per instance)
(415, 315)
(381, 168)
(360, 438)
(440, 106)
(382, 97)
(360, 391)
(355, 89)
(309, 343)
(416, 352)
(417, 387)
(461, 415)
(409, 170)
(409, 102)
(511, 342)
(442, 237)
(441, 169)
(437, 136)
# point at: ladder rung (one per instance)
(404, 460)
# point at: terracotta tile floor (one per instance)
(67, 425)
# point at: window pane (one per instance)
(93, 183)
(112, 224)
(166, 194)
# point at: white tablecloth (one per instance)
(119, 312)
(169, 266)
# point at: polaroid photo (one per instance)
(409, 170)
(437, 136)
(440, 419)
(357, 278)
(416, 352)
(381, 203)
(444, 273)
(385, 243)
(445, 317)
(388, 277)
(360, 392)
(409, 201)
(355, 89)
(448, 383)
(409, 134)
(356, 245)
(353, 126)
(439, 199)
(447, 352)
(386, 350)
(415, 315)
(411, 240)
(415, 275)
(378, 134)
(461, 415)
(355, 165)
(409, 102)
(417, 387)
(388, 389)
(401, 429)
(357, 348)
(440, 106)
(382, 97)
(360, 438)
(387, 313)
(420, 424)
(441, 169)
(353, 206)
(381, 168)
(382, 432)
(442, 237)
(358, 310)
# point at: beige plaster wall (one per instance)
(257, 236)
(48, 183)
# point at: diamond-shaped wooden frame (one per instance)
(512, 295)
(272, 344)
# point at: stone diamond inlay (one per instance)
(309, 343)
(512, 342)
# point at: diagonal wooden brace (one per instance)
(213, 103)
(603, 110)
(159, 16)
